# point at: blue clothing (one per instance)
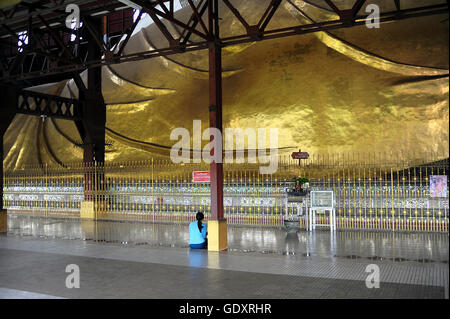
(195, 236)
(198, 246)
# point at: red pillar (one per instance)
(215, 107)
(217, 225)
(215, 121)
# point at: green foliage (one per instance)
(300, 180)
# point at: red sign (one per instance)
(201, 177)
(300, 155)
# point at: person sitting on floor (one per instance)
(197, 233)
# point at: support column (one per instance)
(3, 212)
(8, 107)
(217, 225)
(92, 132)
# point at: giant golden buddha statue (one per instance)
(350, 90)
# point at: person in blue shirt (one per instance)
(197, 233)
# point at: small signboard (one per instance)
(201, 177)
(300, 155)
(438, 185)
(322, 199)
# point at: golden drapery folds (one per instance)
(350, 90)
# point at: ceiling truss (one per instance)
(54, 52)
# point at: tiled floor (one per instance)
(421, 247)
(135, 260)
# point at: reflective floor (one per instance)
(370, 245)
(139, 260)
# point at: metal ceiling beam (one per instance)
(178, 46)
(40, 104)
(150, 9)
(57, 13)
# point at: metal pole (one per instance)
(215, 110)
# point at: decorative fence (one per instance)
(375, 192)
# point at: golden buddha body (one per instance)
(363, 90)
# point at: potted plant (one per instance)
(300, 186)
(296, 194)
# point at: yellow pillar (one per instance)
(3, 221)
(87, 210)
(217, 235)
(93, 210)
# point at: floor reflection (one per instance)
(198, 258)
(419, 247)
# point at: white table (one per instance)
(317, 205)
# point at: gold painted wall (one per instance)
(350, 90)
